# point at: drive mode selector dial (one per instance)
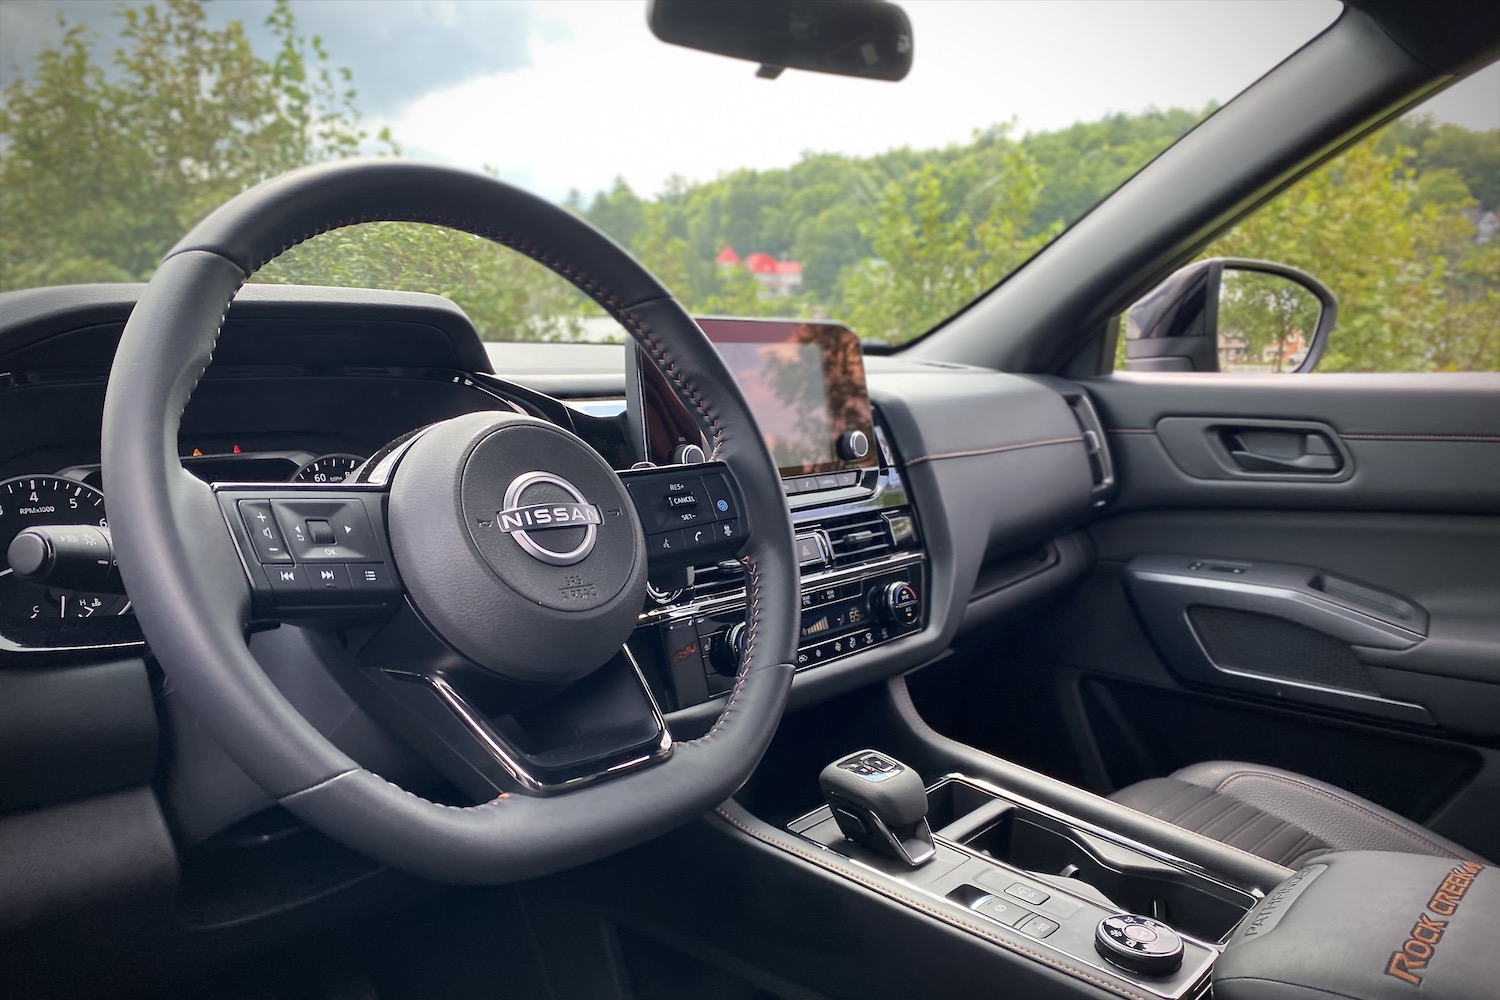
(900, 604)
(1139, 944)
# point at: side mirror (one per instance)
(866, 38)
(1227, 314)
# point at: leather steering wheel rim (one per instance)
(192, 596)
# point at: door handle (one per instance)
(1295, 452)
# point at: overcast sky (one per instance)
(569, 95)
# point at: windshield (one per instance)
(886, 206)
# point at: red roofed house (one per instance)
(779, 278)
(727, 258)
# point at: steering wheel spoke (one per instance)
(310, 551)
(491, 738)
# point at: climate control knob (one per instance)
(899, 603)
(728, 653)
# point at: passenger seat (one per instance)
(1279, 815)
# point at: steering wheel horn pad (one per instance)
(468, 556)
(192, 597)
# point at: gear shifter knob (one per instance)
(880, 803)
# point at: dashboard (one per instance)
(926, 499)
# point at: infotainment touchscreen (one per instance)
(805, 382)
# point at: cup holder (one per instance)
(1055, 851)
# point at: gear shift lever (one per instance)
(881, 804)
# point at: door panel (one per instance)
(1302, 571)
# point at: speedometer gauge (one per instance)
(328, 469)
(34, 617)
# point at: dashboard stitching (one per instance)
(936, 456)
(932, 911)
(1452, 438)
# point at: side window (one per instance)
(1402, 228)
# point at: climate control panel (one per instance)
(842, 614)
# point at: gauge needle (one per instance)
(6, 572)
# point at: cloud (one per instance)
(398, 50)
(603, 98)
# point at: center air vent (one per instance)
(858, 539)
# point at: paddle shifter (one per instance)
(881, 804)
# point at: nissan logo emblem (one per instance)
(522, 521)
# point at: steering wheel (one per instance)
(492, 630)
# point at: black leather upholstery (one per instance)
(1371, 925)
(1279, 815)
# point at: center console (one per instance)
(859, 542)
(1090, 897)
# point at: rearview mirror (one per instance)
(1226, 314)
(865, 38)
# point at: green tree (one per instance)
(932, 256)
(1414, 292)
(189, 116)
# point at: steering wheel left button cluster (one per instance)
(312, 555)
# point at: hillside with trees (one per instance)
(106, 158)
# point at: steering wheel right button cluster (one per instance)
(1139, 944)
(689, 516)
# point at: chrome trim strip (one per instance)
(1090, 828)
(1377, 627)
(736, 598)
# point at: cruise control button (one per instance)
(720, 497)
(265, 533)
(671, 501)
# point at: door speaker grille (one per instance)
(1274, 647)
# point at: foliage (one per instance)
(1266, 311)
(1415, 292)
(103, 171)
(106, 161)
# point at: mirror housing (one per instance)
(863, 38)
(1225, 313)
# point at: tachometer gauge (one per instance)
(328, 469)
(35, 617)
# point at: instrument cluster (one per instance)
(42, 618)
